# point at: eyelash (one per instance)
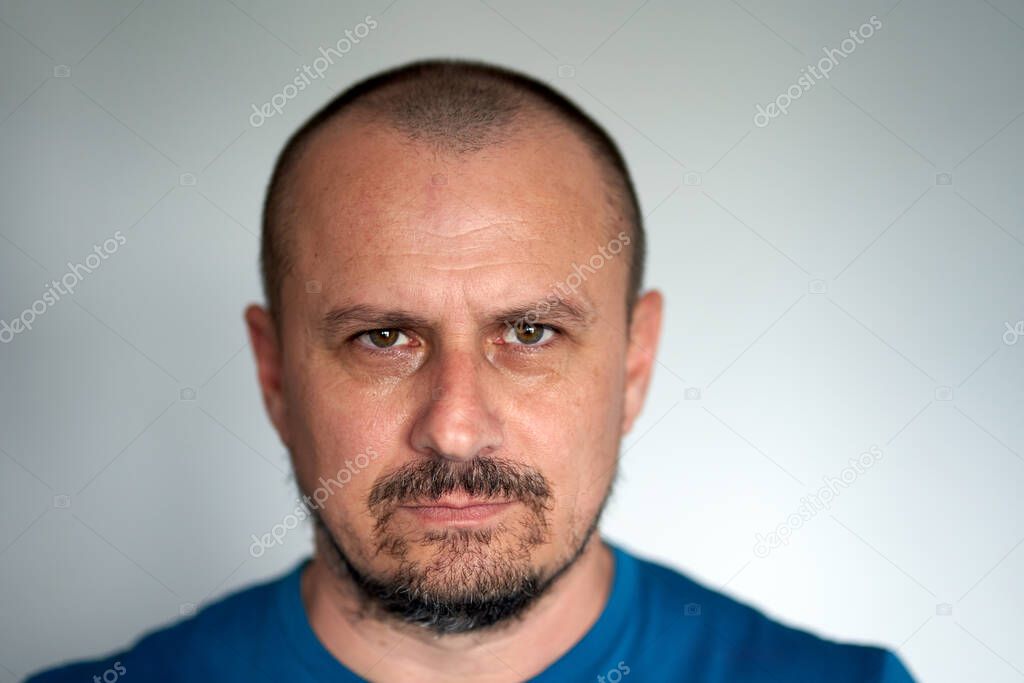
(520, 348)
(371, 348)
(533, 348)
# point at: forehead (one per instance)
(371, 203)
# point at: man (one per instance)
(454, 345)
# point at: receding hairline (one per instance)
(454, 108)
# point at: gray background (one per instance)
(828, 288)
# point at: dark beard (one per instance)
(477, 594)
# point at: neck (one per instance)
(381, 648)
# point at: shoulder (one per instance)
(706, 630)
(208, 641)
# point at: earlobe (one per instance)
(644, 332)
(266, 350)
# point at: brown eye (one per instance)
(527, 333)
(382, 338)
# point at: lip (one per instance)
(457, 511)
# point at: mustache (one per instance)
(481, 477)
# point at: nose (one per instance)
(457, 420)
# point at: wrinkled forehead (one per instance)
(370, 203)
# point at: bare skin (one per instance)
(439, 248)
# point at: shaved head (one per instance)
(453, 108)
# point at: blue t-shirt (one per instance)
(657, 626)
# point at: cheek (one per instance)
(572, 436)
(338, 430)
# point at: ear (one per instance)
(644, 331)
(266, 349)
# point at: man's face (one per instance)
(480, 447)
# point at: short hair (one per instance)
(458, 107)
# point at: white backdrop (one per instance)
(843, 275)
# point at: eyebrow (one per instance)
(548, 310)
